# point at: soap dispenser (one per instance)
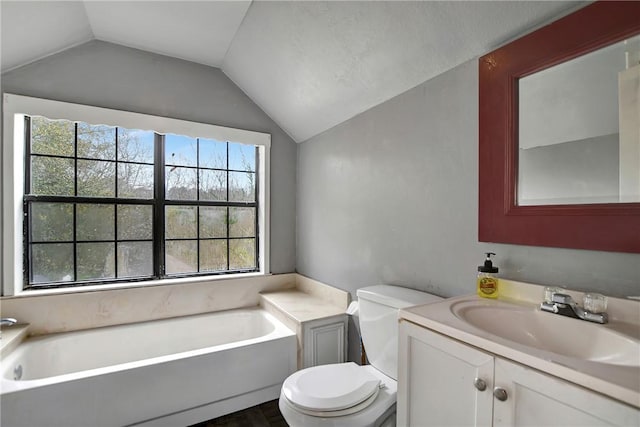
(487, 281)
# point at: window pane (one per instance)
(180, 222)
(242, 157)
(242, 187)
(181, 256)
(52, 176)
(96, 260)
(213, 185)
(135, 259)
(96, 178)
(135, 145)
(135, 181)
(213, 255)
(180, 150)
(54, 137)
(96, 141)
(135, 222)
(242, 222)
(213, 154)
(93, 233)
(95, 222)
(242, 254)
(51, 222)
(181, 183)
(213, 222)
(52, 262)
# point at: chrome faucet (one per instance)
(7, 321)
(564, 305)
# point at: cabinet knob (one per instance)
(500, 394)
(480, 384)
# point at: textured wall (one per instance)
(112, 76)
(391, 197)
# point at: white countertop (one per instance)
(303, 307)
(616, 381)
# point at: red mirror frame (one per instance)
(606, 227)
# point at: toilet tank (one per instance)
(379, 306)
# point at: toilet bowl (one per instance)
(346, 394)
(343, 394)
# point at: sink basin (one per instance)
(565, 336)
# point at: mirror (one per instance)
(514, 206)
(578, 139)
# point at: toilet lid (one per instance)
(330, 387)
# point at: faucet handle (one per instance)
(549, 291)
(595, 303)
(561, 298)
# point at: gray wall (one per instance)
(112, 76)
(391, 197)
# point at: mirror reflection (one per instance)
(579, 130)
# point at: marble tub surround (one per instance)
(300, 306)
(306, 304)
(80, 309)
(618, 381)
(12, 336)
(329, 294)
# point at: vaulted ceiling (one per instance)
(309, 65)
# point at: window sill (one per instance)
(132, 285)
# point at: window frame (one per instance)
(16, 107)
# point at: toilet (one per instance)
(347, 394)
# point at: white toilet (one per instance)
(346, 394)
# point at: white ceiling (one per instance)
(309, 65)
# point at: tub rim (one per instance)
(8, 385)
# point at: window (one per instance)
(106, 202)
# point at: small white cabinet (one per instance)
(325, 341)
(443, 382)
(320, 324)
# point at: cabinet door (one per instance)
(325, 341)
(537, 399)
(436, 381)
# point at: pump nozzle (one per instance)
(488, 264)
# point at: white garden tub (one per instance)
(172, 372)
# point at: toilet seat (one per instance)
(339, 413)
(331, 390)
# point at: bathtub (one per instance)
(171, 372)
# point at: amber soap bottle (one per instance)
(487, 282)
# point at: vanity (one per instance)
(472, 361)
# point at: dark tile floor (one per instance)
(264, 415)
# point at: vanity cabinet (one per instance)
(443, 382)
